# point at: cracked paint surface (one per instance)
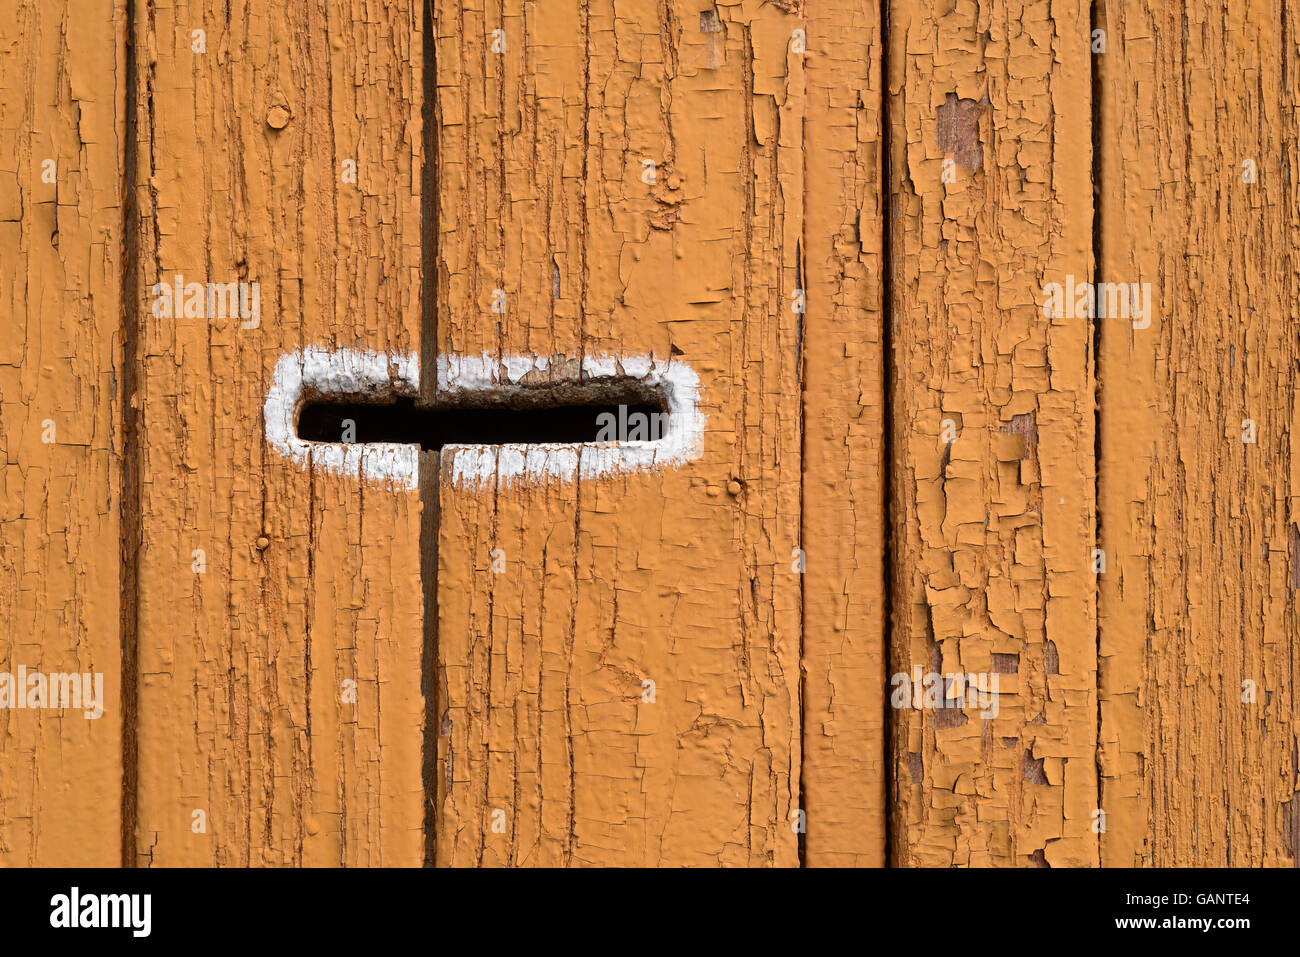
(279, 687)
(992, 432)
(680, 577)
(1200, 634)
(660, 666)
(844, 468)
(60, 436)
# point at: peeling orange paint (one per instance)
(963, 573)
(279, 617)
(992, 431)
(624, 689)
(61, 441)
(1200, 470)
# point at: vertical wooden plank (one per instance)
(62, 121)
(508, 567)
(551, 749)
(993, 432)
(308, 585)
(844, 468)
(1198, 515)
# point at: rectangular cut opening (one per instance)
(575, 415)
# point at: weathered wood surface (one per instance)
(62, 127)
(843, 216)
(679, 577)
(307, 580)
(844, 468)
(992, 431)
(1199, 467)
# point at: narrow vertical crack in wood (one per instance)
(429, 461)
(130, 502)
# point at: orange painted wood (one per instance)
(553, 747)
(62, 124)
(1200, 471)
(844, 467)
(992, 434)
(842, 217)
(280, 710)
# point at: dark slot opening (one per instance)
(487, 422)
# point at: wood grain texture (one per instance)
(60, 423)
(681, 577)
(309, 580)
(844, 463)
(1198, 600)
(993, 508)
(677, 665)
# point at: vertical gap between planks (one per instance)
(429, 461)
(886, 194)
(429, 475)
(1095, 14)
(130, 502)
(801, 363)
(1288, 225)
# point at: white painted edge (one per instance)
(348, 371)
(315, 369)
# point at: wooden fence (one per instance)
(985, 313)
